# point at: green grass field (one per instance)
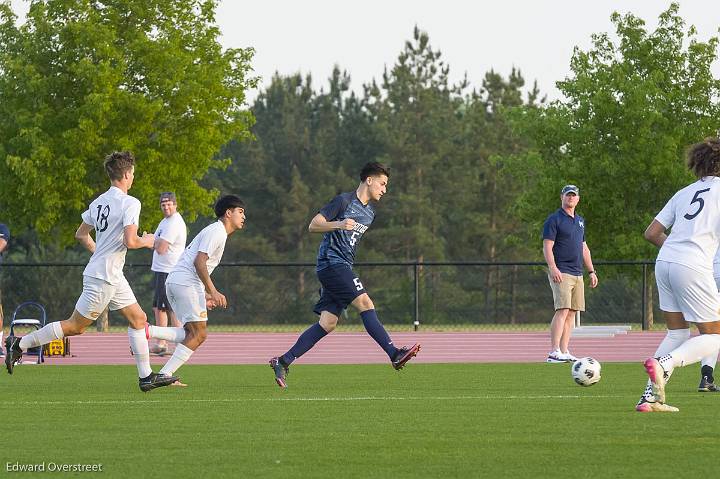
(429, 420)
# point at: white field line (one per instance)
(166, 400)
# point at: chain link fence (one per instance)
(448, 295)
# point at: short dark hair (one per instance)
(703, 158)
(118, 163)
(227, 202)
(374, 169)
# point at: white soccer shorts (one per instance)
(687, 291)
(188, 302)
(98, 294)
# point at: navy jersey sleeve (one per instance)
(331, 210)
(550, 228)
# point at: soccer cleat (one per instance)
(14, 353)
(555, 357)
(281, 371)
(707, 386)
(656, 373)
(404, 355)
(650, 406)
(156, 380)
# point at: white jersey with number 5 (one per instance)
(109, 214)
(693, 215)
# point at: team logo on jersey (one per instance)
(203, 314)
(94, 315)
(581, 223)
(360, 228)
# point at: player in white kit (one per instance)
(114, 216)
(190, 289)
(684, 274)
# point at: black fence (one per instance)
(458, 295)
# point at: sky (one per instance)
(363, 37)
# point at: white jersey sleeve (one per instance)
(693, 214)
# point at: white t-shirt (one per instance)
(109, 214)
(716, 264)
(693, 213)
(211, 240)
(173, 230)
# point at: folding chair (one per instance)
(30, 323)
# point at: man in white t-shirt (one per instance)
(684, 274)
(115, 217)
(170, 237)
(190, 289)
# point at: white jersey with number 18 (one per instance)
(693, 215)
(109, 214)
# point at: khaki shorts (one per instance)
(568, 294)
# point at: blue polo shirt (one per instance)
(568, 233)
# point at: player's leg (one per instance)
(189, 303)
(707, 367)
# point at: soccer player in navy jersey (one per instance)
(343, 222)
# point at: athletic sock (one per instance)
(691, 351)
(141, 351)
(377, 331)
(176, 335)
(672, 340)
(42, 336)
(304, 343)
(180, 356)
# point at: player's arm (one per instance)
(320, 224)
(555, 273)
(133, 241)
(655, 233)
(161, 245)
(587, 259)
(216, 297)
(82, 235)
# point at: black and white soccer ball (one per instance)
(586, 371)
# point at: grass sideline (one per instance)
(365, 421)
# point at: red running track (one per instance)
(354, 348)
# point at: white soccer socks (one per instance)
(180, 356)
(673, 339)
(691, 351)
(141, 351)
(42, 336)
(175, 335)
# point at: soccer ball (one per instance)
(586, 371)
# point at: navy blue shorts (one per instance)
(160, 299)
(340, 287)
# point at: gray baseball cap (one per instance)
(168, 196)
(570, 189)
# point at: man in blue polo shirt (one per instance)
(565, 252)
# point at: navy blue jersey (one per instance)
(568, 233)
(338, 246)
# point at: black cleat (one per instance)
(404, 355)
(14, 353)
(156, 380)
(281, 371)
(707, 386)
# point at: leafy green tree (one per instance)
(631, 107)
(82, 78)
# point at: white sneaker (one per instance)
(555, 357)
(568, 357)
